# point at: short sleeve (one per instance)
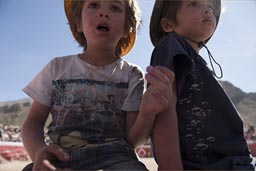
(40, 88)
(135, 90)
(171, 54)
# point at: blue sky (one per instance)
(32, 32)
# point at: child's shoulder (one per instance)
(65, 58)
(61, 61)
(124, 64)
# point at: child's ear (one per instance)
(167, 25)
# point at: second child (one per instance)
(210, 130)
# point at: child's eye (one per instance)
(116, 9)
(211, 6)
(93, 5)
(193, 4)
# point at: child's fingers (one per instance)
(161, 81)
(45, 157)
(156, 75)
(167, 72)
(58, 152)
(156, 86)
(161, 99)
(43, 165)
(48, 166)
(155, 100)
(161, 91)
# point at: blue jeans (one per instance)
(115, 155)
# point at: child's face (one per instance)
(103, 22)
(195, 20)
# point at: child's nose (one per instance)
(208, 10)
(104, 15)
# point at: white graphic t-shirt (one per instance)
(87, 102)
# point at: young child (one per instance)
(94, 97)
(210, 129)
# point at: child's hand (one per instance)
(45, 157)
(160, 92)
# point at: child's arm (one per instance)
(33, 138)
(138, 129)
(155, 100)
(33, 129)
(166, 138)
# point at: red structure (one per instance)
(252, 147)
(144, 151)
(13, 151)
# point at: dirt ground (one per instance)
(18, 165)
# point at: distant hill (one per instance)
(244, 102)
(14, 112)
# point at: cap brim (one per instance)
(67, 8)
(155, 21)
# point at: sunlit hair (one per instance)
(132, 22)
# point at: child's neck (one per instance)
(194, 45)
(98, 57)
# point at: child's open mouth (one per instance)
(103, 28)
